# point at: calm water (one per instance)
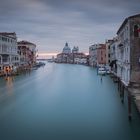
(64, 102)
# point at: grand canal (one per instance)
(64, 102)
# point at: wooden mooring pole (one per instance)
(129, 107)
(122, 94)
(118, 84)
(121, 89)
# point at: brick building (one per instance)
(27, 53)
(101, 54)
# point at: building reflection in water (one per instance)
(9, 85)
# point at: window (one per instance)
(113, 48)
(126, 28)
(136, 33)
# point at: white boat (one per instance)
(101, 70)
(107, 68)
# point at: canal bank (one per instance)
(132, 93)
(63, 101)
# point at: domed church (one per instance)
(66, 49)
(75, 49)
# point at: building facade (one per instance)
(64, 58)
(72, 57)
(97, 55)
(129, 50)
(27, 53)
(101, 54)
(8, 50)
(108, 51)
(93, 55)
(75, 49)
(66, 49)
(114, 55)
(79, 58)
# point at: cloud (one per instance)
(50, 23)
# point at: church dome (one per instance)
(75, 49)
(66, 49)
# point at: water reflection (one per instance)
(101, 78)
(9, 85)
(66, 102)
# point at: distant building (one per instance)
(75, 49)
(101, 54)
(114, 55)
(8, 50)
(97, 55)
(79, 58)
(66, 49)
(64, 58)
(108, 58)
(93, 55)
(27, 53)
(129, 50)
(73, 57)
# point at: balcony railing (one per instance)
(8, 52)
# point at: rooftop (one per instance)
(23, 42)
(126, 20)
(9, 34)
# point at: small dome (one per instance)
(75, 49)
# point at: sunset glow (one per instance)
(49, 54)
(46, 54)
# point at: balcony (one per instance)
(8, 52)
(6, 62)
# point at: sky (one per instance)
(51, 23)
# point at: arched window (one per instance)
(136, 32)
